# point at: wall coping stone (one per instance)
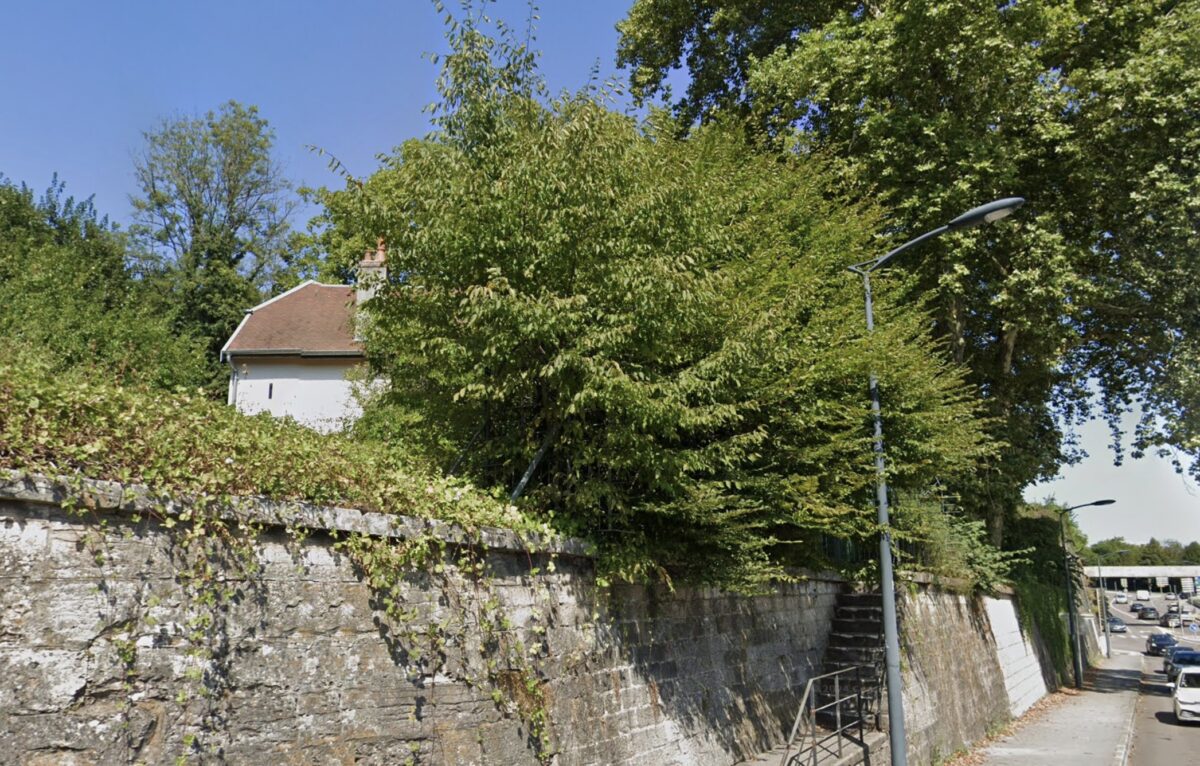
(131, 499)
(112, 496)
(952, 583)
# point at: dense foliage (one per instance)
(1087, 109)
(656, 334)
(1119, 552)
(1039, 579)
(71, 423)
(68, 289)
(214, 208)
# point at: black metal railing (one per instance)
(845, 713)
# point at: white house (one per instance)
(290, 355)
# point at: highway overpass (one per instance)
(1180, 578)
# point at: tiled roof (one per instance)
(309, 320)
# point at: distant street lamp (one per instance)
(993, 211)
(1104, 597)
(1076, 651)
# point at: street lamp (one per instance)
(1076, 652)
(993, 211)
(1104, 597)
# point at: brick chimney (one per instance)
(372, 272)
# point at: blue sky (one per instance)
(83, 80)
(80, 81)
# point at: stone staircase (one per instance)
(856, 639)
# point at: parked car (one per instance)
(1156, 642)
(1170, 620)
(1181, 659)
(1186, 695)
(1148, 613)
(1121, 598)
(1117, 625)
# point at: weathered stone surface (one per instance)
(96, 667)
(955, 688)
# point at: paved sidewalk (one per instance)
(1092, 728)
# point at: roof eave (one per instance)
(346, 353)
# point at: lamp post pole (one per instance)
(1104, 599)
(1076, 650)
(993, 211)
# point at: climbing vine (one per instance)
(193, 468)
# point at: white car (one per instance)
(1122, 598)
(1186, 694)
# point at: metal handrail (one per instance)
(806, 719)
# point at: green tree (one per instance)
(657, 334)
(1110, 550)
(67, 293)
(1087, 109)
(214, 205)
(1191, 553)
(1152, 554)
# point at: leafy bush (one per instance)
(1038, 581)
(657, 334)
(64, 423)
(69, 289)
(938, 538)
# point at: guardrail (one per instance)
(815, 742)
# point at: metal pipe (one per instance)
(1104, 608)
(891, 632)
(1076, 659)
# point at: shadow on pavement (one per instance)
(1111, 680)
(1155, 686)
(1168, 717)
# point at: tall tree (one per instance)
(68, 294)
(1087, 109)
(214, 205)
(654, 336)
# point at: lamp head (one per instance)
(989, 213)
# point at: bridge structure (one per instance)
(1175, 578)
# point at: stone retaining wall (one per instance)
(968, 667)
(95, 664)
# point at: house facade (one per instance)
(292, 356)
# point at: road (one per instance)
(1157, 738)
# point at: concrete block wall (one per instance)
(95, 667)
(1021, 660)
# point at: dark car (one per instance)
(1156, 642)
(1148, 613)
(1170, 651)
(1117, 625)
(1180, 659)
(1136, 607)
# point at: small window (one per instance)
(270, 390)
